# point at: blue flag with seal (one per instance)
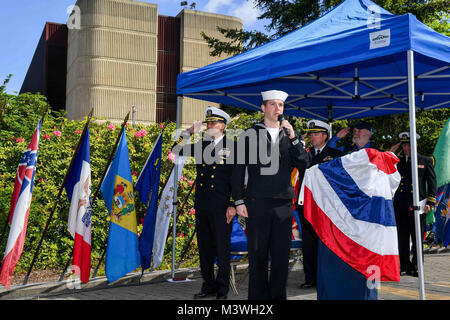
(122, 254)
(147, 185)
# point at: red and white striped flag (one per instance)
(20, 208)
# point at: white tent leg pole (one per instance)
(415, 179)
(175, 191)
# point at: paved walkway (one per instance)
(155, 286)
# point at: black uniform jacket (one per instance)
(269, 169)
(214, 169)
(427, 181)
(327, 154)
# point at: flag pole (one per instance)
(165, 182)
(414, 173)
(160, 134)
(76, 150)
(186, 247)
(104, 249)
(25, 281)
(111, 157)
(180, 210)
(178, 213)
(184, 204)
(150, 191)
(175, 190)
(44, 112)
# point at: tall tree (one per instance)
(285, 16)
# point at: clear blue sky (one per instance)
(22, 23)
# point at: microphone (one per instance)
(281, 119)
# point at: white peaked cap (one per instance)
(405, 136)
(317, 126)
(274, 95)
(215, 114)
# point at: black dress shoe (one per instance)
(307, 285)
(221, 296)
(202, 295)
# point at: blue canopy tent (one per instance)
(356, 61)
(350, 63)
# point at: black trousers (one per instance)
(269, 231)
(309, 249)
(406, 231)
(213, 237)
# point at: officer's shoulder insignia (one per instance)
(433, 160)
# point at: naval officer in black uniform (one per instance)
(319, 132)
(403, 202)
(271, 149)
(213, 156)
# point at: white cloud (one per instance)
(218, 6)
(247, 12)
(243, 9)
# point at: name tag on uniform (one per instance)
(420, 166)
(327, 158)
(224, 153)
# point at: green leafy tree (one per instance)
(285, 16)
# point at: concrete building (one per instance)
(47, 71)
(121, 54)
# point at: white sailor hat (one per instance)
(274, 95)
(404, 136)
(317, 126)
(215, 114)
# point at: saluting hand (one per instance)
(395, 147)
(195, 127)
(343, 132)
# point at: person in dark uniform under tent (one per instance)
(319, 133)
(403, 202)
(214, 209)
(271, 149)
